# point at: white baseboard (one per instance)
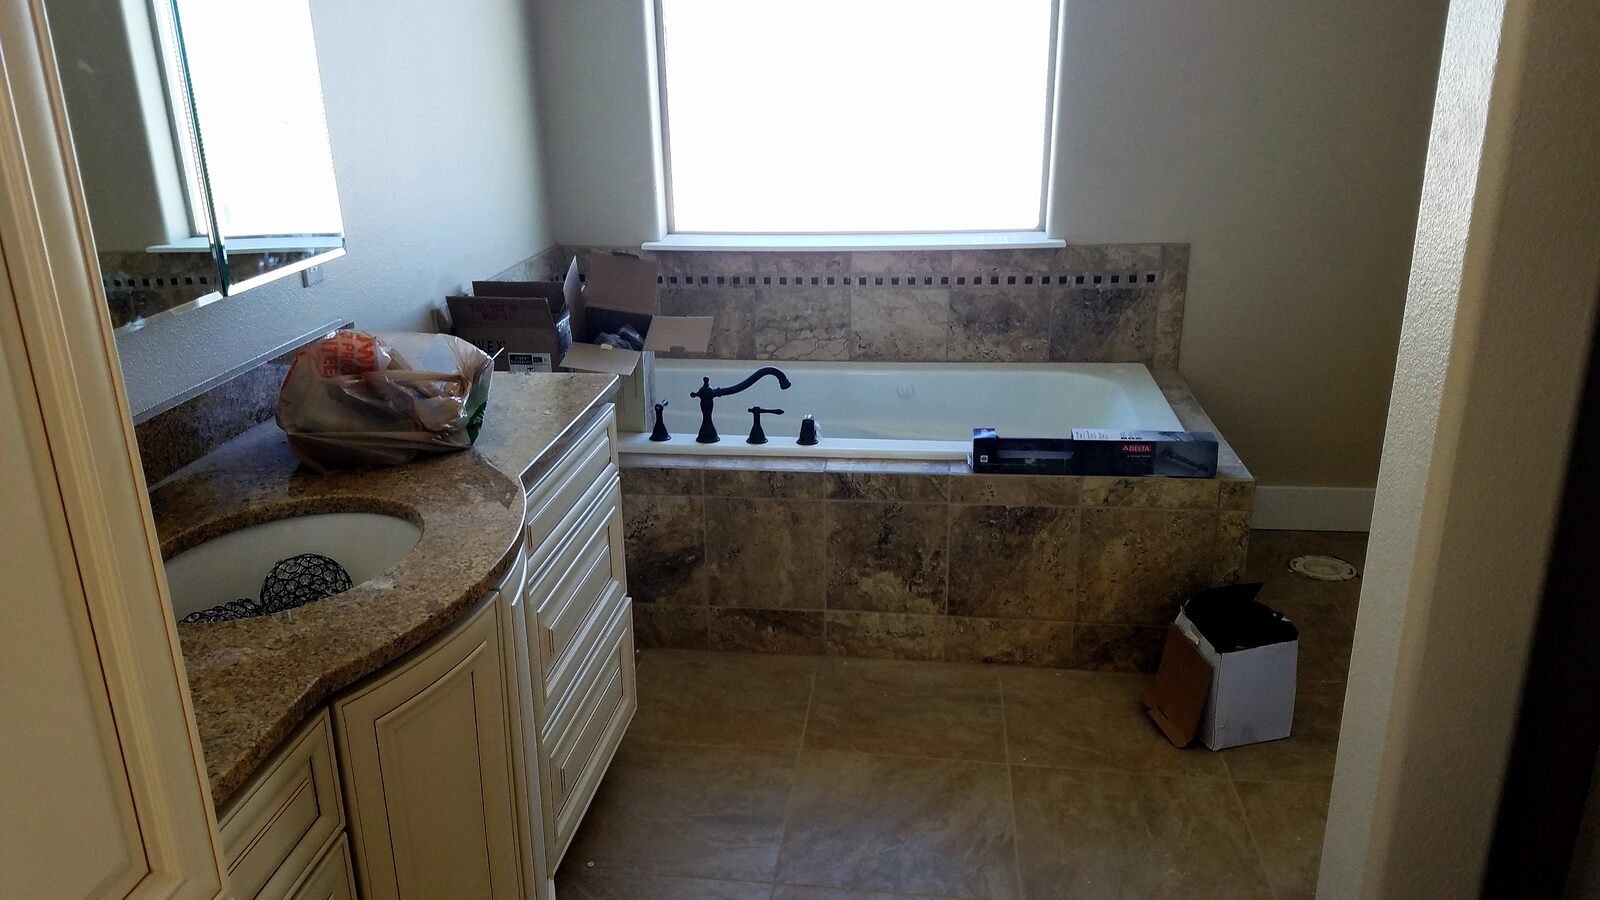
(1282, 507)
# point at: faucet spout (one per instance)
(757, 375)
(707, 396)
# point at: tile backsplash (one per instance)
(1082, 303)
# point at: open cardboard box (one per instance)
(522, 324)
(619, 289)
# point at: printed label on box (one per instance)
(529, 362)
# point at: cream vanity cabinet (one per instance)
(464, 768)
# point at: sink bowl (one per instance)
(232, 566)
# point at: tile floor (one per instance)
(748, 777)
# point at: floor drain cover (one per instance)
(1322, 568)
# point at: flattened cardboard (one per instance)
(679, 334)
(622, 281)
(596, 358)
(1176, 700)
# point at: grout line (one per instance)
(800, 748)
(1011, 788)
(1244, 816)
(705, 565)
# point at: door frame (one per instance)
(52, 282)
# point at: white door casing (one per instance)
(101, 779)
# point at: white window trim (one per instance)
(942, 240)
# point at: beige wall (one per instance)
(1283, 139)
(1285, 142)
(1498, 319)
(432, 116)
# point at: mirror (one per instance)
(202, 144)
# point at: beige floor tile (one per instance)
(940, 710)
(583, 883)
(1287, 822)
(1327, 631)
(1092, 720)
(1268, 562)
(882, 823)
(693, 811)
(802, 892)
(1088, 835)
(734, 699)
(1307, 754)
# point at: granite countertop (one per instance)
(254, 681)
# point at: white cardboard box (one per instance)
(1252, 691)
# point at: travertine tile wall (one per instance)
(927, 560)
(1108, 303)
(922, 561)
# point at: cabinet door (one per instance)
(425, 750)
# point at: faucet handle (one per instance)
(659, 432)
(757, 436)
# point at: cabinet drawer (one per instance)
(286, 817)
(586, 730)
(556, 500)
(333, 877)
(570, 605)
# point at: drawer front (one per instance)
(557, 498)
(586, 731)
(572, 604)
(332, 878)
(285, 818)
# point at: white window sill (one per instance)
(977, 240)
(202, 244)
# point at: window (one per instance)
(856, 116)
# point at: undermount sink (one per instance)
(233, 566)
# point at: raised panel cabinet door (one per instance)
(425, 749)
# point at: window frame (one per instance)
(960, 239)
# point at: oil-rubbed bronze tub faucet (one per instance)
(708, 394)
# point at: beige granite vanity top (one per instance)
(254, 681)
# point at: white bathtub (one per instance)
(902, 410)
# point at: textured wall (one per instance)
(1496, 341)
(432, 117)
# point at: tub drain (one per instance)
(1322, 568)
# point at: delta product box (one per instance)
(1252, 651)
(1170, 454)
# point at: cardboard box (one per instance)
(1170, 454)
(524, 322)
(1253, 652)
(546, 325)
(620, 289)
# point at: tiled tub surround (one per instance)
(1102, 303)
(926, 560)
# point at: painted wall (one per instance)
(1496, 341)
(433, 119)
(1285, 141)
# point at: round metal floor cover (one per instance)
(1322, 568)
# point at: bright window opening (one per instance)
(856, 116)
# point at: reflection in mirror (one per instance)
(204, 156)
(257, 107)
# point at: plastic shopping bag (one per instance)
(359, 399)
